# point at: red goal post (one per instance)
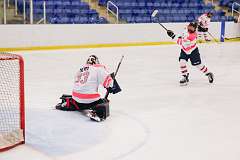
(12, 114)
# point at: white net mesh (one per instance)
(10, 120)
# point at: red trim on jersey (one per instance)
(179, 41)
(192, 36)
(202, 68)
(85, 96)
(205, 70)
(95, 65)
(107, 81)
(188, 48)
(99, 65)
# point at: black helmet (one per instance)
(209, 14)
(194, 24)
(92, 60)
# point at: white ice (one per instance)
(153, 118)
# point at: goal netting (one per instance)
(12, 125)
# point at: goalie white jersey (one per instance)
(87, 81)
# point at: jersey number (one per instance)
(82, 77)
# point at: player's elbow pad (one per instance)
(115, 88)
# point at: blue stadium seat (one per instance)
(130, 19)
(64, 11)
(102, 20)
(63, 20)
(133, 11)
(150, 5)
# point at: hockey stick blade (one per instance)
(154, 13)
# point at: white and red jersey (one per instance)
(204, 20)
(87, 81)
(187, 41)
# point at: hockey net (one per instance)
(12, 125)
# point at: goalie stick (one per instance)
(115, 74)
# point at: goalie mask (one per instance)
(92, 60)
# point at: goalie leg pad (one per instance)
(102, 110)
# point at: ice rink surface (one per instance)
(153, 118)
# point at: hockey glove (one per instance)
(171, 34)
(115, 89)
(112, 75)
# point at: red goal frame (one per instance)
(10, 56)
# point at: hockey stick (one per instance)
(115, 74)
(213, 37)
(153, 15)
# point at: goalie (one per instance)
(85, 94)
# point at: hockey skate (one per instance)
(61, 105)
(184, 80)
(93, 116)
(210, 77)
(208, 40)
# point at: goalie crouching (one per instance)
(85, 94)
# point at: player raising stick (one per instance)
(189, 50)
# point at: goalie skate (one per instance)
(93, 116)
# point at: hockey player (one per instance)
(189, 50)
(203, 24)
(85, 94)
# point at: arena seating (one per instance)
(63, 12)
(228, 3)
(131, 11)
(139, 11)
